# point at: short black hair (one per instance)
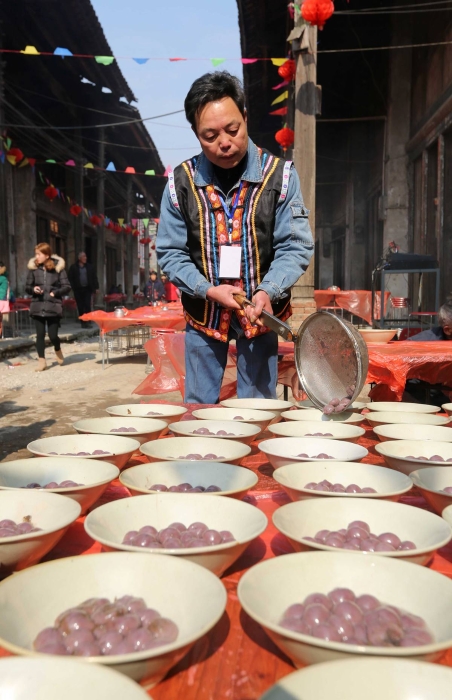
(211, 87)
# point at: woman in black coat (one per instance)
(47, 281)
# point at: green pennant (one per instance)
(41, 177)
(8, 144)
(104, 60)
(149, 172)
(50, 160)
(145, 222)
(217, 61)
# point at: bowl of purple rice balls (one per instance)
(408, 455)
(211, 531)
(112, 448)
(364, 606)
(314, 429)
(141, 429)
(134, 613)
(435, 484)
(240, 431)
(286, 450)
(195, 449)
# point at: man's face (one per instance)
(222, 133)
(82, 259)
(447, 330)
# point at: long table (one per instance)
(236, 660)
(357, 301)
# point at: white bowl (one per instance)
(260, 418)
(281, 451)
(447, 407)
(338, 431)
(397, 454)
(188, 594)
(307, 404)
(55, 677)
(146, 429)
(402, 406)
(274, 405)
(372, 679)
(49, 511)
(314, 415)
(173, 449)
(302, 519)
(401, 418)
(242, 432)
(268, 588)
(109, 523)
(168, 412)
(377, 335)
(234, 481)
(393, 431)
(94, 476)
(118, 449)
(388, 484)
(431, 481)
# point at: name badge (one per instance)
(230, 262)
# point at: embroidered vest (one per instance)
(252, 229)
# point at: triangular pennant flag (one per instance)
(11, 159)
(245, 61)
(48, 181)
(70, 162)
(41, 177)
(217, 61)
(134, 222)
(145, 222)
(59, 51)
(90, 212)
(281, 112)
(283, 96)
(86, 211)
(24, 162)
(90, 165)
(177, 59)
(107, 91)
(69, 199)
(140, 61)
(149, 172)
(104, 60)
(111, 166)
(278, 61)
(280, 85)
(120, 221)
(32, 162)
(129, 169)
(50, 160)
(63, 197)
(167, 171)
(58, 191)
(107, 220)
(2, 156)
(30, 51)
(8, 144)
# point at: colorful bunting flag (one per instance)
(70, 162)
(246, 61)
(167, 171)
(104, 60)
(217, 61)
(177, 59)
(141, 61)
(8, 144)
(280, 85)
(278, 61)
(2, 156)
(32, 162)
(59, 51)
(90, 165)
(149, 172)
(145, 222)
(129, 169)
(30, 51)
(283, 96)
(120, 221)
(281, 112)
(111, 166)
(50, 160)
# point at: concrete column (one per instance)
(395, 174)
(24, 233)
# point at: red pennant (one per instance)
(281, 112)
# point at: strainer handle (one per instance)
(272, 322)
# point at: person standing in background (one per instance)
(4, 294)
(154, 289)
(47, 282)
(171, 292)
(84, 283)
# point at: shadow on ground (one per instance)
(16, 437)
(7, 407)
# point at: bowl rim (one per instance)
(283, 404)
(120, 659)
(414, 476)
(153, 429)
(252, 475)
(65, 490)
(312, 459)
(381, 446)
(131, 449)
(379, 495)
(67, 519)
(407, 554)
(372, 418)
(190, 551)
(378, 428)
(352, 416)
(264, 415)
(181, 410)
(176, 428)
(351, 426)
(240, 446)
(401, 403)
(336, 646)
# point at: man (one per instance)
(84, 283)
(232, 220)
(441, 332)
(154, 289)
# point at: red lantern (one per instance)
(117, 228)
(128, 229)
(76, 210)
(317, 11)
(145, 241)
(287, 70)
(285, 137)
(51, 192)
(135, 232)
(95, 220)
(14, 155)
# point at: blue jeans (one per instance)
(206, 358)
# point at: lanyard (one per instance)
(230, 212)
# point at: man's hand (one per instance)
(262, 303)
(223, 295)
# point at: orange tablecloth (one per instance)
(21, 303)
(236, 660)
(357, 301)
(152, 316)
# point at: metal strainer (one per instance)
(330, 354)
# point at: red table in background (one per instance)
(152, 316)
(357, 301)
(235, 660)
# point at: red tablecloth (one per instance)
(357, 301)
(236, 660)
(20, 304)
(152, 316)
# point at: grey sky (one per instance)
(155, 28)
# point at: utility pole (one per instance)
(146, 245)
(79, 196)
(129, 248)
(306, 108)
(101, 209)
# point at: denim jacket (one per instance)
(292, 238)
